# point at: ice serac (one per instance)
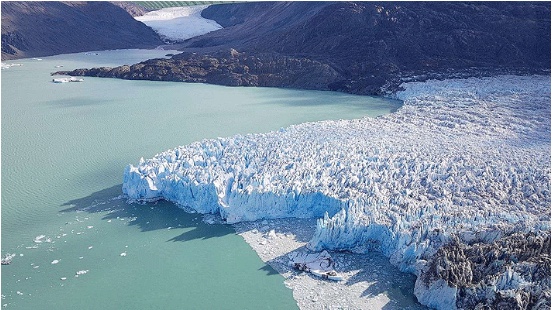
(463, 167)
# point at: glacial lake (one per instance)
(78, 244)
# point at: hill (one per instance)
(357, 47)
(403, 34)
(32, 29)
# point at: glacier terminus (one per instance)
(454, 187)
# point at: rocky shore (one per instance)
(233, 68)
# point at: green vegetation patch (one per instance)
(157, 5)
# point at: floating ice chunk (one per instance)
(7, 66)
(7, 259)
(123, 254)
(80, 272)
(39, 239)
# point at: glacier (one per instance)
(463, 165)
(179, 23)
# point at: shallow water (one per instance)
(64, 148)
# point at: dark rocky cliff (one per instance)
(364, 47)
(476, 269)
(31, 29)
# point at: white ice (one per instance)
(39, 239)
(179, 23)
(4, 66)
(467, 158)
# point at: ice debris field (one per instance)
(464, 161)
(179, 23)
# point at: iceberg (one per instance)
(463, 165)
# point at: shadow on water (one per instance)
(357, 102)
(77, 102)
(374, 269)
(269, 270)
(147, 216)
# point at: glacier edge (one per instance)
(463, 161)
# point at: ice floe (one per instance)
(39, 239)
(4, 66)
(465, 159)
(7, 259)
(80, 272)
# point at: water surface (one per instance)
(64, 149)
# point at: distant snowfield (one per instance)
(463, 158)
(179, 23)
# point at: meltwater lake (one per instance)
(77, 243)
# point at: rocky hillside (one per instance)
(361, 37)
(32, 29)
(363, 46)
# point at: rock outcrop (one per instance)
(509, 273)
(229, 67)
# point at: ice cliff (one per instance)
(463, 167)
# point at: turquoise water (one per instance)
(64, 148)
